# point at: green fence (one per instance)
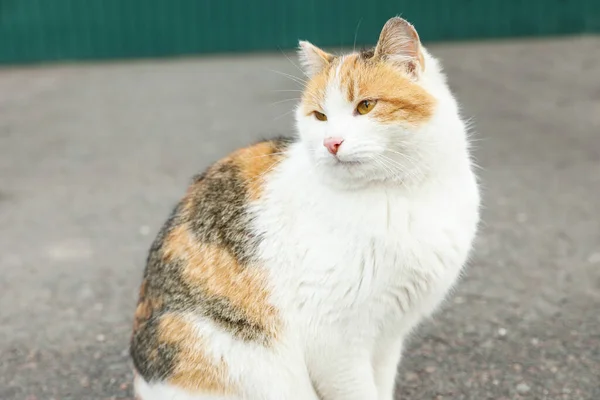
(48, 30)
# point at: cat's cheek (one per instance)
(312, 133)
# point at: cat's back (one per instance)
(200, 267)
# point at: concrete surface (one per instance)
(92, 157)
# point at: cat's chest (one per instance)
(349, 271)
(371, 260)
(357, 270)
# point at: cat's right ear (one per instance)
(312, 58)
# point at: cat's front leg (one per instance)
(385, 366)
(345, 379)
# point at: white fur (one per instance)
(357, 254)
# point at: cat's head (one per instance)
(375, 114)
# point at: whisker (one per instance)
(406, 172)
(296, 79)
(384, 166)
(394, 175)
(293, 63)
(356, 34)
(283, 101)
(404, 155)
(283, 115)
(405, 178)
(265, 155)
(258, 180)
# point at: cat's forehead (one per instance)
(349, 79)
(355, 76)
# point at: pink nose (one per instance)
(333, 144)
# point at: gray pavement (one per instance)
(92, 157)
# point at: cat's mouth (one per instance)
(339, 161)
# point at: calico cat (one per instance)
(295, 268)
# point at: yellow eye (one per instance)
(320, 116)
(365, 106)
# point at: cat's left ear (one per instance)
(312, 58)
(399, 43)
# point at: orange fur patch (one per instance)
(194, 370)
(145, 307)
(219, 274)
(349, 68)
(314, 93)
(255, 162)
(399, 98)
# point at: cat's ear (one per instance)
(399, 43)
(312, 58)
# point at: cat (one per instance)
(294, 269)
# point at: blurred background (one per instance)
(47, 30)
(108, 107)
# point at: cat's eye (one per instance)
(320, 116)
(365, 106)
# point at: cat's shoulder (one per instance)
(214, 206)
(240, 174)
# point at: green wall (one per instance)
(42, 30)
